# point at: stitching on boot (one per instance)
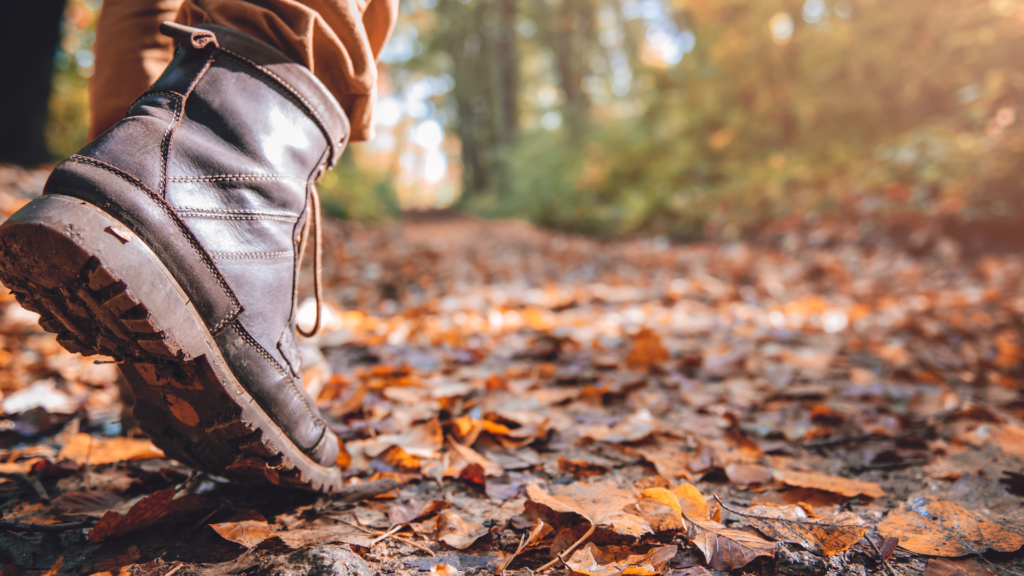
(235, 177)
(190, 214)
(154, 93)
(248, 339)
(239, 211)
(332, 141)
(179, 114)
(250, 255)
(165, 144)
(182, 228)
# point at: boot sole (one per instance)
(102, 290)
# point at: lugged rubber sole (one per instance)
(102, 290)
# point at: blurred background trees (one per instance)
(676, 117)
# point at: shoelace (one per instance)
(318, 257)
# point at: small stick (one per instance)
(885, 562)
(364, 490)
(29, 481)
(44, 528)
(393, 536)
(569, 550)
(388, 533)
(175, 569)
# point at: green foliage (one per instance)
(358, 193)
(849, 103)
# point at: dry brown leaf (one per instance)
(456, 532)
(602, 503)
(467, 456)
(85, 449)
(647, 350)
(337, 534)
(935, 527)
(413, 510)
(835, 484)
(669, 462)
(826, 536)
(633, 428)
(154, 509)
(591, 561)
(746, 474)
(248, 533)
(581, 468)
(726, 549)
(964, 567)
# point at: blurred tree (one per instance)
(29, 32)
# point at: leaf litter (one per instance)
(526, 400)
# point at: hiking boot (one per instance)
(173, 242)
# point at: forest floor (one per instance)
(828, 402)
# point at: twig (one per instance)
(175, 569)
(569, 550)
(29, 481)
(44, 528)
(885, 563)
(362, 491)
(522, 544)
(413, 544)
(388, 533)
(392, 536)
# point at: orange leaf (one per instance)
(602, 503)
(248, 533)
(647, 350)
(835, 484)
(456, 532)
(85, 449)
(591, 561)
(936, 527)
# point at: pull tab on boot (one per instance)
(195, 37)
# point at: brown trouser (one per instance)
(338, 40)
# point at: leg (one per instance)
(338, 40)
(130, 55)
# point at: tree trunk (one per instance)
(508, 66)
(29, 32)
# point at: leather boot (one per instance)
(172, 243)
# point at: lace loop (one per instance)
(313, 227)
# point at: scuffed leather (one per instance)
(212, 167)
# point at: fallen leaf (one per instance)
(633, 428)
(456, 532)
(154, 509)
(443, 570)
(591, 561)
(601, 503)
(647, 350)
(964, 567)
(467, 456)
(746, 474)
(89, 502)
(835, 484)
(826, 536)
(85, 449)
(248, 533)
(413, 510)
(726, 549)
(580, 468)
(336, 534)
(935, 527)
(669, 462)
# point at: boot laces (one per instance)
(318, 257)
